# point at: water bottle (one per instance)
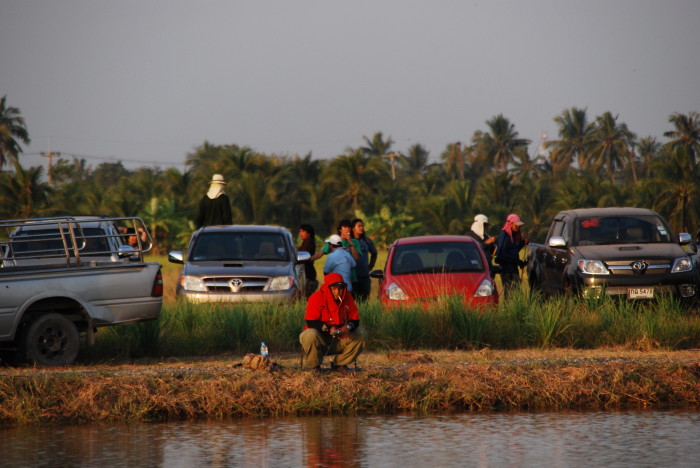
(263, 350)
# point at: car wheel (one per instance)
(51, 340)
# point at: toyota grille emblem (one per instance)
(639, 267)
(236, 282)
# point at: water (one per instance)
(611, 439)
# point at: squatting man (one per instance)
(332, 326)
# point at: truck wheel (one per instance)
(51, 340)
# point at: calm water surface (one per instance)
(610, 439)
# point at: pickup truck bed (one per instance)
(46, 303)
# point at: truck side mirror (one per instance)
(176, 257)
(557, 242)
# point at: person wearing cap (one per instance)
(215, 206)
(508, 246)
(479, 233)
(339, 260)
(332, 326)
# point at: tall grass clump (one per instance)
(371, 317)
(233, 329)
(509, 327)
(467, 324)
(549, 320)
(404, 327)
(619, 323)
(125, 342)
(663, 324)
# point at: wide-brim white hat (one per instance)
(218, 179)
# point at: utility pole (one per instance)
(50, 155)
(391, 157)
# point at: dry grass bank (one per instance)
(387, 383)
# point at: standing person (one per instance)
(307, 234)
(350, 244)
(479, 232)
(215, 206)
(339, 260)
(368, 257)
(332, 326)
(508, 248)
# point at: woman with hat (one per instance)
(508, 252)
(215, 206)
(479, 233)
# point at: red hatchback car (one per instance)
(423, 269)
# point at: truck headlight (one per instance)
(192, 283)
(280, 283)
(682, 264)
(395, 293)
(484, 289)
(593, 267)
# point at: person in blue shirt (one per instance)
(339, 260)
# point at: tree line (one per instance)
(592, 162)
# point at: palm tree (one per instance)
(574, 140)
(611, 145)
(648, 150)
(296, 196)
(501, 142)
(22, 194)
(674, 190)
(454, 160)
(377, 146)
(353, 180)
(12, 128)
(415, 163)
(686, 135)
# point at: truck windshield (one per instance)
(218, 246)
(436, 257)
(621, 230)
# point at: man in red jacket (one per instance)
(332, 326)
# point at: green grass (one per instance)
(524, 321)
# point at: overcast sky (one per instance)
(147, 81)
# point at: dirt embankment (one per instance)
(384, 383)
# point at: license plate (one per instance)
(640, 293)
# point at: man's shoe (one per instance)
(342, 369)
(317, 370)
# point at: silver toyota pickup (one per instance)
(62, 277)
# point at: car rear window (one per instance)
(621, 230)
(437, 257)
(217, 246)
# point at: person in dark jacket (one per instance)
(362, 285)
(307, 234)
(332, 326)
(215, 206)
(508, 248)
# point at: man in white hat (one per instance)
(215, 206)
(339, 260)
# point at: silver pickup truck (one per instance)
(62, 277)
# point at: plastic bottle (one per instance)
(263, 349)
